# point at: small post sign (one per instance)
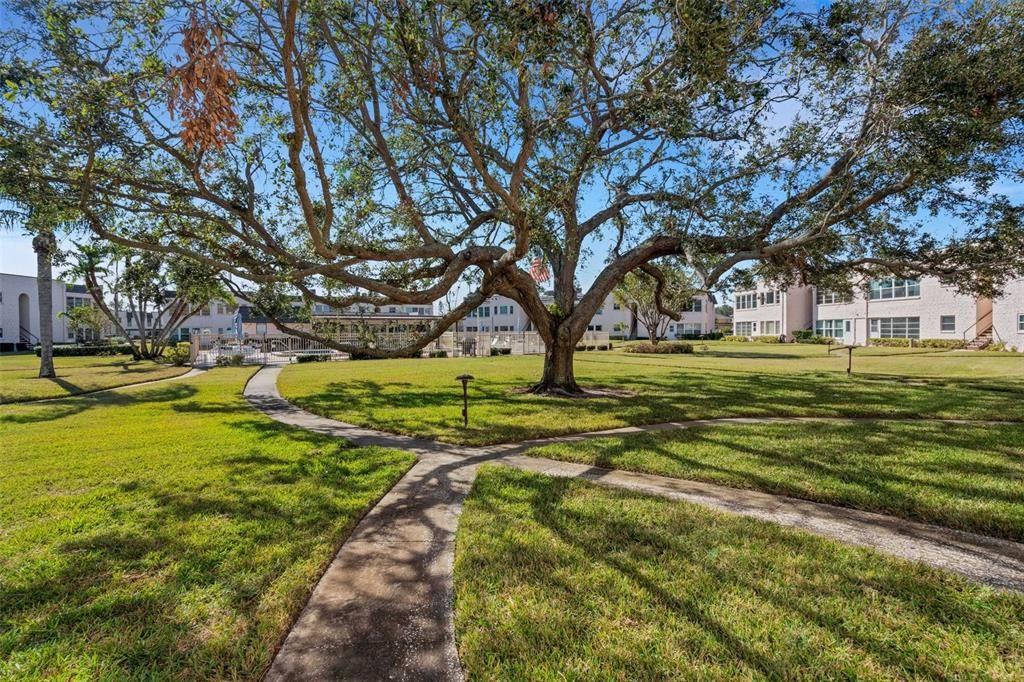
(465, 379)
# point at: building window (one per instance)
(616, 306)
(947, 324)
(885, 289)
(746, 328)
(1020, 323)
(832, 328)
(826, 297)
(771, 328)
(694, 306)
(691, 329)
(485, 311)
(896, 327)
(770, 298)
(746, 301)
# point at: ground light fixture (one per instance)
(465, 379)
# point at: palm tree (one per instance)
(44, 243)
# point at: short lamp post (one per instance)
(465, 379)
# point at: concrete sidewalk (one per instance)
(383, 608)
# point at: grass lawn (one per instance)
(967, 477)
(421, 397)
(166, 531)
(19, 378)
(562, 579)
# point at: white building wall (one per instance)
(12, 288)
(499, 313)
(932, 303)
(1008, 316)
(777, 311)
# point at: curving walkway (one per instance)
(383, 608)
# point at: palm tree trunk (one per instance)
(44, 244)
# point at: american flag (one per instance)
(539, 271)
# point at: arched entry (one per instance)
(24, 319)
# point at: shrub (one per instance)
(663, 348)
(767, 339)
(736, 339)
(580, 348)
(77, 350)
(438, 354)
(602, 346)
(918, 343)
(179, 354)
(312, 357)
(997, 346)
(367, 355)
(233, 360)
(501, 351)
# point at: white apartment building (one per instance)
(502, 314)
(770, 311)
(19, 310)
(900, 308)
(891, 307)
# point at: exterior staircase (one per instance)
(981, 341)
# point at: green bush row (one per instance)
(312, 357)
(501, 351)
(663, 348)
(585, 347)
(234, 360)
(78, 350)
(919, 343)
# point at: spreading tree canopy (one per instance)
(383, 151)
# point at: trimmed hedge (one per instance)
(365, 355)
(69, 350)
(312, 357)
(767, 339)
(235, 360)
(501, 351)
(919, 343)
(736, 339)
(437, 354)
(663, 348)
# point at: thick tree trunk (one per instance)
(42, 244)
(558, 378)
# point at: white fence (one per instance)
(268, 349)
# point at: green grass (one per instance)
(19, 378)
(967, 477)
(421, 397)
(562, 579)
(167, 531)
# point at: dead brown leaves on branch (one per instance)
(202, 88)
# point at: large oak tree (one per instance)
(384, 151)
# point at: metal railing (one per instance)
(26, 336)
(268, 349)
(977, 323)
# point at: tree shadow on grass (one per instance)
(29, 412)
(184, 556)
(830, 594)
(497, 415)
(929, 471)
